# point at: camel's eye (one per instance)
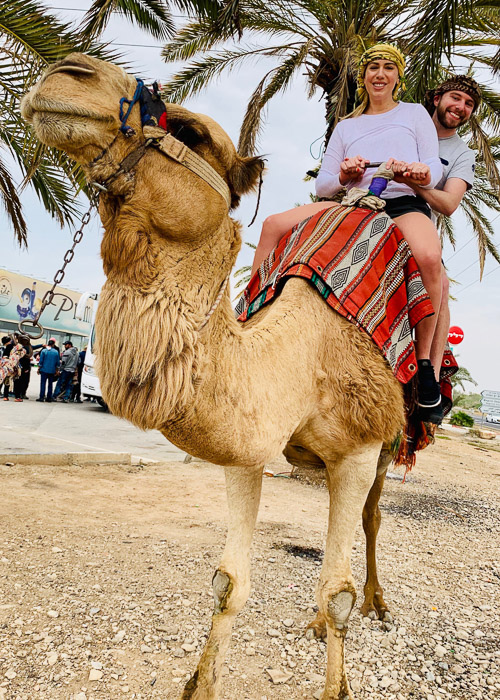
(190, 132)
(188, 136)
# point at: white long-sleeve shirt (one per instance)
(405, 133)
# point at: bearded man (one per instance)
(451, 104)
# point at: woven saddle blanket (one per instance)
(363, 268)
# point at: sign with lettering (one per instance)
(21, 299)
(490, 395)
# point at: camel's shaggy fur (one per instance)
(297, 377)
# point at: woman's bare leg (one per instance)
(423, 239)
(276, 225)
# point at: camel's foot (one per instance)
(317, 628)
(344, 695)
(193, 692)
(375, 607)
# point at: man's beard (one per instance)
(445, 121)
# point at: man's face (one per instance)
(454, 108)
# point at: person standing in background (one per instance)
(7, 345)
(77, 389)
(69, 363)
(24, 367)
(49, 362)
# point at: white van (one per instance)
(492, 419)
(90, 381)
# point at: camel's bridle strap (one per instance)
(178, 151)
(172, 148)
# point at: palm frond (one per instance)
(198, 74)
(277, 80)
(481, 141)
(152, 16)
(432, 36)
(12, 205)
(444, 225)
(196, 37)
(483, 230)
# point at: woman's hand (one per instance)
(410, 173)
(352, 169)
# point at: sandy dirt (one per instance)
(105, 574)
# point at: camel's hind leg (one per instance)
(349, 483)
(374, 605)
(231, 582)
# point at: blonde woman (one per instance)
(402, 134)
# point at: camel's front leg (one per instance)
(349, 483)
(231, 582)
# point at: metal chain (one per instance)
(59, 276)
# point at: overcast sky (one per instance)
(294, 130)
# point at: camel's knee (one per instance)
(337, 606)
(230, 594)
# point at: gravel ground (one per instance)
(105, 578)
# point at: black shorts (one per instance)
(406, 204)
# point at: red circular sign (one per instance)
(455, 335)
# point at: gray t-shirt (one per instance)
(458, 161)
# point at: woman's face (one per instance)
(380, 79)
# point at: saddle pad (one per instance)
(363, 268)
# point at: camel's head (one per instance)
(76, 105)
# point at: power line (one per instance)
(477, 281)
(465, 269)
(458, 251)
(116, 12)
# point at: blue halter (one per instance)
(124, 128)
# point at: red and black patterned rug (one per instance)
(363, 268)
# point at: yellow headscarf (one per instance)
(389, 52)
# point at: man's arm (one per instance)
(443, 201)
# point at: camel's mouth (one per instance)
(38, 105)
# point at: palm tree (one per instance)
(31, 39)
(324, 39)
(458, 380)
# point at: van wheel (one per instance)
(102, 403)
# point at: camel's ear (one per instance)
(244, 175)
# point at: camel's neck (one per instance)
(158, 293)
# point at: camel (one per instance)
(296, 378)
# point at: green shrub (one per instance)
(462, 418)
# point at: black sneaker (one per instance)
(41, 400)
(429, 394)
